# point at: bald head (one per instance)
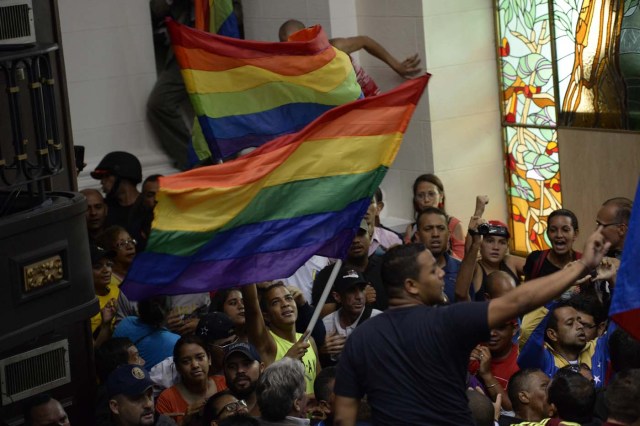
(288, 28)
(498, 284)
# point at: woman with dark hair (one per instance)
(230, 302)
(494, 256)
(147, 331)
(562, 232)
(428, 191)
(183, 401)
(116, 239)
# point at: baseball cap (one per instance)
(129, 380)
(215, 326)
(348, 278)
(98, 253)
(119, 163)
(504, 232)
(247, 349)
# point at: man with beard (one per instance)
(242, 369)
(130, 392)
(359, 260)
(560, 340)
(433, 232)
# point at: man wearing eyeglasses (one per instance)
(614, 216)
(221, 406)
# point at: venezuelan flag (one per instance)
(625, 305)
(246, 93)
(261, 216)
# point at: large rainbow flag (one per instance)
(261, 216)
(246, 93)
(625, 305)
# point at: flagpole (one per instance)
(323, 297)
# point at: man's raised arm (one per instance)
(535, 293)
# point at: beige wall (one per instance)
(110, 71)
(463, 102)
(110, 67)
(595, 166)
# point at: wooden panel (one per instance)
(596, 165)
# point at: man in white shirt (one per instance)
(348, 291)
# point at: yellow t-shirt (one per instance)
(309, 359)
(96, 320)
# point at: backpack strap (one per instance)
(538, 265)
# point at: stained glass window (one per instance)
(529, 119)
(562, 62)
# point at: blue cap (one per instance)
(129, 380)
(247, 349)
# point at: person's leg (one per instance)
(165, 114)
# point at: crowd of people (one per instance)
(430, 327)
(438, 325)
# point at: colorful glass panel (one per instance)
(526, 63)
(533, 177)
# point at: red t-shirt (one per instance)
(503, 369)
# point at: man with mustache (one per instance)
(242, 369)
(130, 393)
(560, 340)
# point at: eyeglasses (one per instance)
(425, 195)
(604, 225)
(125, 243)
(587, 325)
(232, 407)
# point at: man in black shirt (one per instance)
(411, 360)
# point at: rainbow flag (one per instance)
(216, 16)
(625, 305)
(246, 93)
(261, 216)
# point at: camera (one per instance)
(489, 229)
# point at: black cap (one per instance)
(121, 164)
(97, 253)
(348, 278)
(215, 326)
